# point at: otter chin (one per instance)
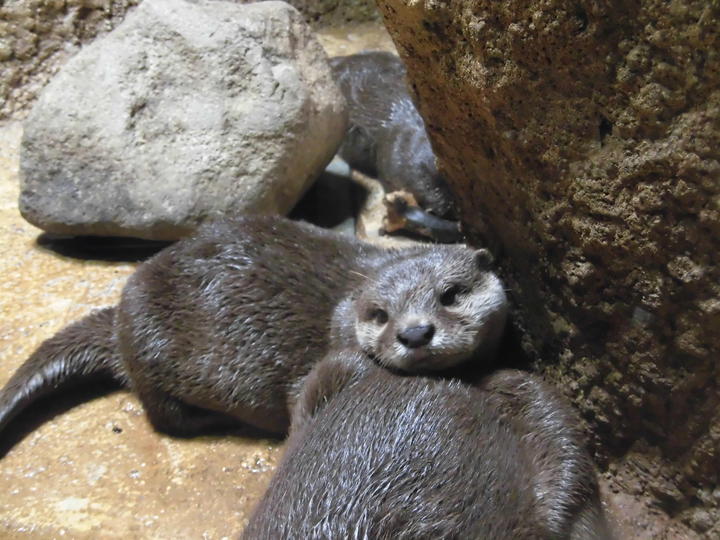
(421, 361)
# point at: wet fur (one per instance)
(79, 353)
(219, 327)
(376, 455)
(387, 136)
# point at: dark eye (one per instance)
(378, 315)
(450, 296)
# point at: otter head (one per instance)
(432, 310)
(407, 161)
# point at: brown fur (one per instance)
(387, 136)
(224, 325)
(378, 455)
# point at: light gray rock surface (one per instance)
(184, 111)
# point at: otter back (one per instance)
(383, 456)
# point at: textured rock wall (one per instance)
(583, 138)
(335, 11)
(38, 36)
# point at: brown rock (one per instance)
(584, 138)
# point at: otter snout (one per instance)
(416, 336)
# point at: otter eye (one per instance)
(378, 315)
(450, 296)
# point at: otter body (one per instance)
(230, 320)
(375, 455)
(387, 137)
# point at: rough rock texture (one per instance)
(184, 111)
(38, 36)
(584, 138)
(335, 11)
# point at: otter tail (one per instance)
(84, 350)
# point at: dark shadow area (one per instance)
(45, 409)
(101, 248)
(404, 233)
(331, 202)
(229, 426)
(605, 128)
(509, 355)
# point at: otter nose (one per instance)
(417, 336)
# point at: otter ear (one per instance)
(483, 259)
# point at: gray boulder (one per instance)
(186, 110)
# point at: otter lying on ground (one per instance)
(373, 454)
(230, 321)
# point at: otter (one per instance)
(222, 326)
(386, 137)
(374, 454)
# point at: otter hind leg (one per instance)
(591, 524)
(566, 482)
(172, 416)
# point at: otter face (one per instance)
(405, 160)
(431, 311)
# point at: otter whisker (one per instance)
(362, 275)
